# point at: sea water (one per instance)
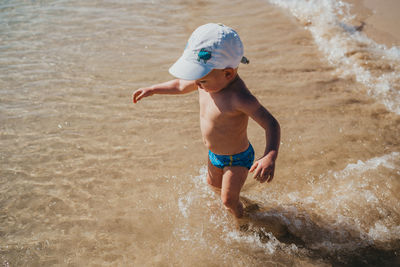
(88, 178)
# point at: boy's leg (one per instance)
(232, 182)
(227, 183)
(214, 177)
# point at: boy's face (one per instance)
(216, 80)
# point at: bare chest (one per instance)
(216, 108)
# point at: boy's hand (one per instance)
(140, 93)
(264, 168)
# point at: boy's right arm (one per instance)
(172, 87)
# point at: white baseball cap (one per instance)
(211, 46)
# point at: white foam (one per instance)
(387, 161)
(356, 185)
(383, 233)
(183, 204)
(202, 191)
(357, 180)
(328, 22)
(254, 240)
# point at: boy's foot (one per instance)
(243, 227)
(259, 219)
(243, 223)
(248, 205)
(270, 224)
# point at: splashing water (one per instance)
(352, 52)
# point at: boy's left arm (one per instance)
(263, 168)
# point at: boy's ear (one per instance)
(229, 73)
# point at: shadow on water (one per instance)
(335, 243)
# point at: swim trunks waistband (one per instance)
(245, 159)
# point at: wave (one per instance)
(346, 217)
(346, 47)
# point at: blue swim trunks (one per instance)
(244, 159)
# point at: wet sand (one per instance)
(381, 20)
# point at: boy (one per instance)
(209, 64)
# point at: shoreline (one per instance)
(381, 21)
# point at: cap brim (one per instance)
(188, 70)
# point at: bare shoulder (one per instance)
(243, 99)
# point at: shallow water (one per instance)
(87, 178)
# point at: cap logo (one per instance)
(204, 56)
